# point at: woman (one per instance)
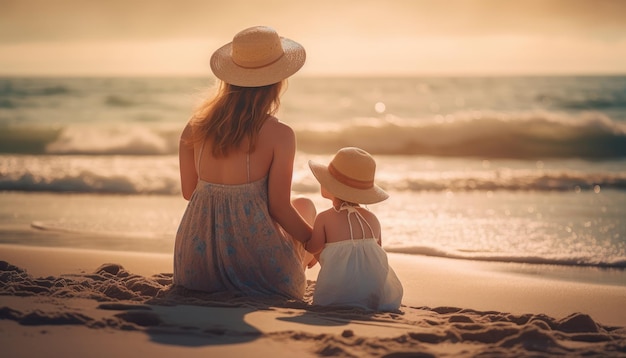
(241, 231)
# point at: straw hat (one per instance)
(350, 176)
(256, 57)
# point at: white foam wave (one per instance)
(160, 175)
(116, 140)
(83, 174)
(619, 262)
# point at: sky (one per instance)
(342, 37)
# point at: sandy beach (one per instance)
(69, 302)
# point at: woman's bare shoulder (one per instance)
(277, 131)
(188, 130)
(275, 124)
(186, 137)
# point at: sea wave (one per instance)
(489, 135)
(619, 262)
(522, 180)
(89, 182)
(530, 135)
(160, 175)
(80, 139)
(8, 89)
(596, 101)
(90, 174)
(116, 140)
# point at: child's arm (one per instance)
(318, 237)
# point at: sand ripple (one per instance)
(125, 301)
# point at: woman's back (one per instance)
(240, 166)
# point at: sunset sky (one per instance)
(342, 37)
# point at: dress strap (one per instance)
(200, 157)
(359, 218)
(248, 165)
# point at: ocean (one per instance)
(529, 170)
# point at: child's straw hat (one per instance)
(350, 176)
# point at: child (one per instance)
(354, 269)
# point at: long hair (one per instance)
(234, 114)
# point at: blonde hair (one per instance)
(233, 114)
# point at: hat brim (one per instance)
(344, 192)
(228, 71)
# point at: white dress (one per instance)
(356, 273)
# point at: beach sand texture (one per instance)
(64, 302)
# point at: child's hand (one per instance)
(312, 263)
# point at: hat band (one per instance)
(351, 182)
(259, 66)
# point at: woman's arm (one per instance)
(318, 237)
(279, 184)
(186, 159)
